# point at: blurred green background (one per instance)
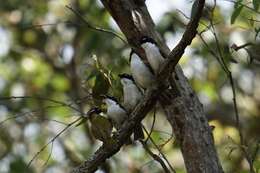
(57, 66)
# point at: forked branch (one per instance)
(103, 153)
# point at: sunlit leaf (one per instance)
(101, 86)
(238, 3)
(236, 13)
(91, 75)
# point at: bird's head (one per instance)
(109, 100)
(94, 110)
(126, 79)
(146, 39)
(147, 42)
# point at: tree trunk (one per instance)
(182, 107)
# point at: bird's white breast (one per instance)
(116, 113)
(132, 96)
(141, 73)
(153, 55)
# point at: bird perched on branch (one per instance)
(118, 114)
(132, 94)
(100, 126)
(153, 54)
(115, 111)
(141, 71)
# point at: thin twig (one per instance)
(94, 27)
(240, 3)
(148, 101)
(49, 24)
(151, 130)
(56, 121)
(254, 20)
(224, 66)
(163, 132)
(41, 98)
(49, 156)
(167, 141)
(56, 136)
(29, 113)
(160, 151)
(52, 140)
(236, 48)
(155, 157)
(212, 52)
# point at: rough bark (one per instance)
(185, 112)
(181, 105)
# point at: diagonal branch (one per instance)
(175, 55)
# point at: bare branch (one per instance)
(94, 27)
(30, 113)
(42, 98)
(155, 157)
(151, 130)
(49, 155)
(243, 46)
(52, 140)
(49, 24)
(175, 55)
(220, 58)
(246, 6)
(160, 151)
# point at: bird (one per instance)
(100, 126)
(142, 72)
(115, 111)
(132, 94)
(153, 54)
(118, 114)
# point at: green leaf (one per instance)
(101, 85)
(256, 4)
(236, 13)
(91, 75)
(238, 3)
